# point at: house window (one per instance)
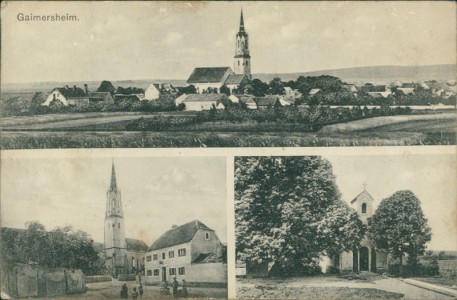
(118, 225)
(114, 225)
(207, 236)
(247, 62)
(364, 208)
(148, 258)
(154, 257)
(182, 252)
(171, 254)
(156, 272)
(163, 255)
(172, 271)
(181, 271)
(149, 272)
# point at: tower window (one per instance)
(238, 62)
(364, 208)
(114, 225)
(247, 62)
(206, 235)
(118, 225)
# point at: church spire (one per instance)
(113, 185)
(241, 22)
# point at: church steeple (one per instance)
(242, 63)
(241, 22)
(113, 185)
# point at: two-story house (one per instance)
(191, 251)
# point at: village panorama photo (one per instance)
(346, 227)
(107, 228)
(93, 74)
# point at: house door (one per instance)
(164, 273)
(364, 259)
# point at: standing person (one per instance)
(175, 288)
(140, 290)
(124, 291)
(184, 288)
(134, 293)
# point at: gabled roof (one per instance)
(99, 96)
(74, 92)
(269, 100)
(246, 99)
(179, 235)
(201, 75)
(236, 79)
(204, 97)
(364, 192)
(136, 245)
(314, 91)
(206, 258)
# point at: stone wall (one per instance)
(24, 281)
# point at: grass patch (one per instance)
(280, 292)
(439, 280)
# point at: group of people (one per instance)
(175, 288)
(139, 292)
(135, 292)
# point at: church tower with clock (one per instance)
(242, 63)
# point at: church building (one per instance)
(366, 257)
(211, 79)
(123, 255)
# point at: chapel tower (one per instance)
(114, 243)
(363, 205)
(242, 63)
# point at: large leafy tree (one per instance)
(399, 226)
(61, 247)
(288, 211)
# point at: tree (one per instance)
(288, 211)
(106, 86)
(225, 90)
(276, 87)
(399, 226)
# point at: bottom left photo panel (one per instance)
(113, 227)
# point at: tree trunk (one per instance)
(401, 263)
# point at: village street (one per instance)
(333, 287)
(111, 290)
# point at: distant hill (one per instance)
(380, 74)
(92, 85)
(376, 74)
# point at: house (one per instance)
(234, 81)
(314, 92)
(366, 257)
(378, 91)
(209, 78)
(291, 94)
(95, 97)
(154, 90)
(132, 97)
(248, 101)
(267, 102)
(407, 88)
(68, 96)
(198, 102)
(191, 251)
(180, 99)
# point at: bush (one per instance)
(418, 270)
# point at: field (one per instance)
(107, 130)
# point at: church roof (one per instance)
(364, 192)
(235, 79)
(178, 235)
(201, 75)
(113, 184)
(135, 245)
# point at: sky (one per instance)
(156, 193)
(167, 40)
(430, 177)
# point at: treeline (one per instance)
(317, 116)
(62, 247)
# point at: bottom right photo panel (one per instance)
(346, 226)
